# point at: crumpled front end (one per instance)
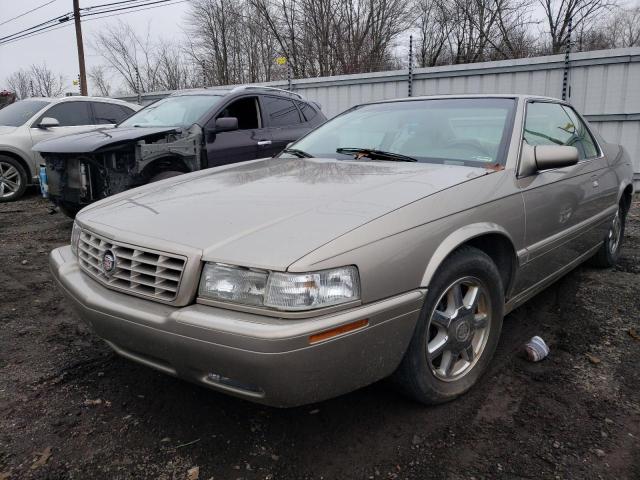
(78, 179)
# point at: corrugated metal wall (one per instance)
(604, 86)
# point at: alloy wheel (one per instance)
(458, 329)
(615, 232)
(10, 180)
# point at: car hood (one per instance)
(94, 140)
(267, 213)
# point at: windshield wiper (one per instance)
(374, 154)
(297, 153)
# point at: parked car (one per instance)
(390, 241)
(27, 122)
(184, 132)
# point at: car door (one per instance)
(73, 117)
(283, 120)
(564, 207)
(249, 142)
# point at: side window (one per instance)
(308, 112)
(109, 112)
(245, 110)
(69, 114)
(588, 144)
(281, 112)
(553, 124)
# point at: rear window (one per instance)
(18, 113)
(308, 112)
(281, 112)
(107, 113)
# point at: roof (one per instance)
(467, 95)
(79, 98)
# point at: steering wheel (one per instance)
(471, 145)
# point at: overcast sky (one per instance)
(58, 48)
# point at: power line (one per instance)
(124, 8)
(27, 33)
(69, 15)
(28, 12)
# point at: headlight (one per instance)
(75, 238)
(232, 284)
(279, 290)
(303, 291)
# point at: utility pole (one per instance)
(566, 87)
(83, 73)
(410, 79)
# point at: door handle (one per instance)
(594, 181)
(262, 143)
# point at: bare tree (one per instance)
(45, 82)
(98, 77)
(582, 14)
(623, 28)
(129, 54)
(434, 27)
(19, 83)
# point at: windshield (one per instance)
(179, 111)
(18, 113)
(454, 131)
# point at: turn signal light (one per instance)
(341, 330)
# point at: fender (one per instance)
(458, 238)
(27, 160)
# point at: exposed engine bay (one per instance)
(77, 179)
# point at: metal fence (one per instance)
(604, 85)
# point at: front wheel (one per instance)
(458, 329)
(609, 252)
(13, 179)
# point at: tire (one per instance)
(164, 175)
(427, 376)
(69, 209)
(13, 179)
(608, 254)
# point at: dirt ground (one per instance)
(71, 409)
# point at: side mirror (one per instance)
(226, 124)
(48, 122)
(555, 156)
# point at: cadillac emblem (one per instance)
(108, 262)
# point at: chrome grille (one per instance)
(138, 271)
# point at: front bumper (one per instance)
(263, 359)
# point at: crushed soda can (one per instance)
(536, 349)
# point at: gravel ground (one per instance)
(71, 409)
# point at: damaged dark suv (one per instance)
(184, 132)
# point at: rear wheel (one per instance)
(13, 179)
(458, 329)
(608, 254)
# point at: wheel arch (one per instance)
(626, 196)
(490, 238)
(164, 164)
(20, 159)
